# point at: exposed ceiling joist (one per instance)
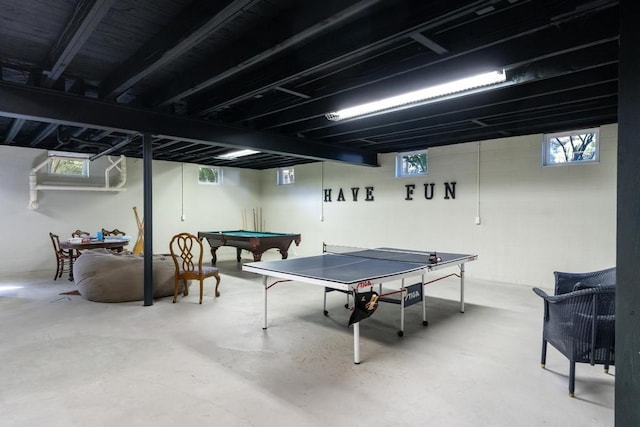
(58, 108)
(263, 74)
(184, 33)
(208, 75)
(347, 46)
(517, 51)
(14, 130)
(86, 18)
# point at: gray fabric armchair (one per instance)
(566, 282)
(581, 325)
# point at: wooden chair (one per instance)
(114, 232)
(80, 233)
(63, 257)
(186, 252)
(83, 234)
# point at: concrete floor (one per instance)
(71, 362)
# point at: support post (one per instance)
(627, 384)
(147, 151)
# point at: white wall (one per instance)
(534, 220)
(25, 232)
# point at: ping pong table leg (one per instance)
(424, 302)
(356, 343)
(462, 288)
(402, 295)
(324, 306)
(264, 281)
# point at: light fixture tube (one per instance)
(235, 154)
(405, 100)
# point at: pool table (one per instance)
(254, 241)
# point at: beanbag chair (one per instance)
(104, 276)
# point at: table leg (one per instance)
(324, 306)
(265, 301)
(71, 257)
(462, 288)
(356, 343)
(214, 257)
(403, 294)
(424, 303)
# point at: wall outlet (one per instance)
(477, 220)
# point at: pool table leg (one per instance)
(257, 256)
(284, 253)
(214, 257)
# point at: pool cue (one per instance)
(139, 246)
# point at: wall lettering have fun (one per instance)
(428, 193)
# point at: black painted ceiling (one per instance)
(206, 77)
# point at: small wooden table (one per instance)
(93, 244)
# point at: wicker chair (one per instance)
(581, 325)
(187, 251)
(566, 282)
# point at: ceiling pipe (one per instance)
(120, 165)
(121, 144)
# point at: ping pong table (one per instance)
(350, 270)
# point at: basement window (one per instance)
(207, 175)
(413, 163)
(285, 176)
(68, 164)
(578, 146)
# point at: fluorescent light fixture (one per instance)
(235, 154)
(412, 99)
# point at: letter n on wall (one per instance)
(449, 190)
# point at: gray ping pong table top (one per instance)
(350, 269)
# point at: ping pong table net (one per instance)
(388, 254)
